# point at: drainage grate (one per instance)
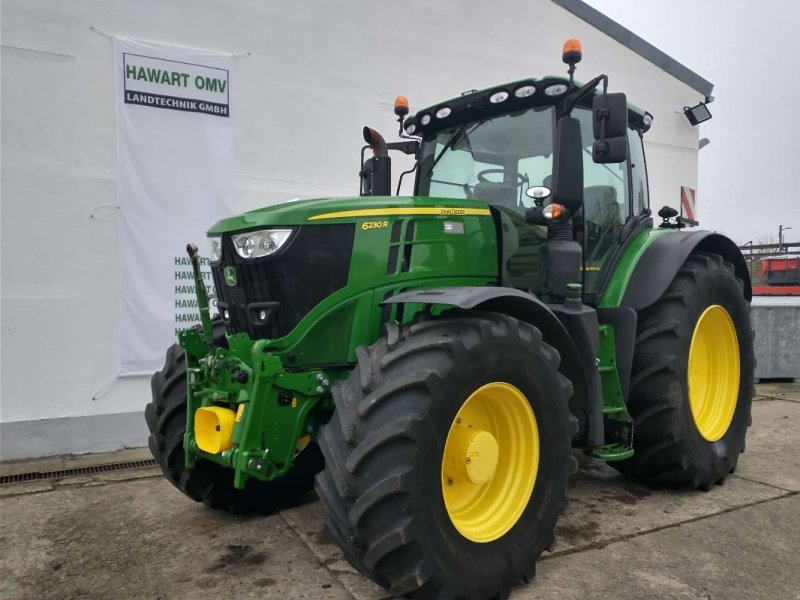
(38, 476)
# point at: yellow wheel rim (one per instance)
(713, 373)
(490, 462)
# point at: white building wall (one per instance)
(316, 72)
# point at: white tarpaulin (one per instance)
(174, 180)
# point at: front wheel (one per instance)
(692, 380)
(447, 458)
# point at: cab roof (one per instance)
(503, 99)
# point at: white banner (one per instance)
(174, 180)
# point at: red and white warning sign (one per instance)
(688, 204)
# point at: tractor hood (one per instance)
(346, 210)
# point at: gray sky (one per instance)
(750, 173)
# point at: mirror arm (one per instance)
(572, 99)
(411, 148)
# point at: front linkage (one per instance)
(245, 411)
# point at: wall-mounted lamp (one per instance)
(697, 114)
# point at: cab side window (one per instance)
(606, 206)
(641, 198)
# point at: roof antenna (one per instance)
(572, 56)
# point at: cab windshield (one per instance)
(494, 159)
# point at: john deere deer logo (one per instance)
(230, 276)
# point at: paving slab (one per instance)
(773, 445)
(745, 554)
(94, 479)
(143, 539)
(605, 506)
(27, 487)
(779, 391)
(129, 534)
(307, 522)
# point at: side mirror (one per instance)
(568, 165)
(610, 116)
(610, 124)
(610, 150)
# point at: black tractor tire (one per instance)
(208, 482)
(382, 486)
(669, 447)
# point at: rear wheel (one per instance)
(447, 458)
(692, 381)
(209, 482)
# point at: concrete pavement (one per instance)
(129, 534)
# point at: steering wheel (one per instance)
(483, 179)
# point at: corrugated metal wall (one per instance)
(776, 320)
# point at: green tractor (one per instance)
(429, 363)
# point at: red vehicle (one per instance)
(783, 277)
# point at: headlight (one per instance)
(215, 248)
(255, 244)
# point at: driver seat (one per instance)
(601, 207)
(496, 193)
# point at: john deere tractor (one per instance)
(429, 363)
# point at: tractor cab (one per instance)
(505, 145)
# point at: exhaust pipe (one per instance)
(376, 172)
(376, 142)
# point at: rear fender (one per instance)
(662, 260)
(648, 279)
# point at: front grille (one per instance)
(313, 264)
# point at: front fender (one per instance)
(525, 307)
(510, 301)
